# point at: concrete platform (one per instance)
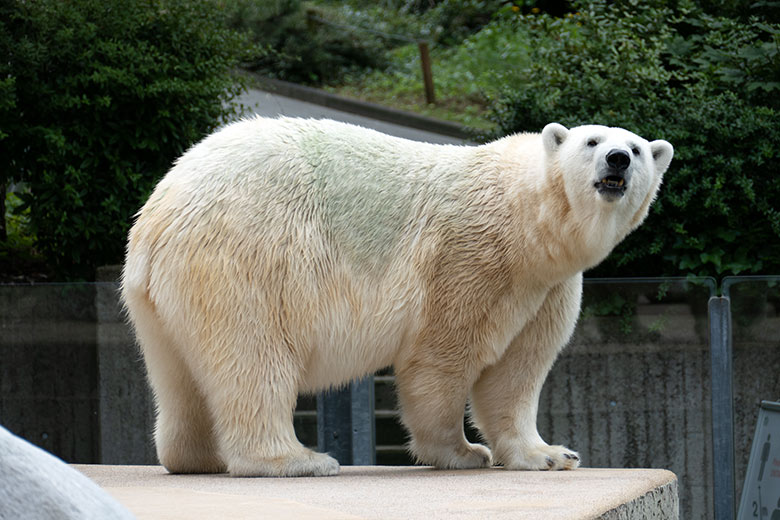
(389, 492)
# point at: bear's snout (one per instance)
(618, 159)
(614, 179)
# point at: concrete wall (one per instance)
(756, 338)
(48, 368)
(631, 390)
(638, 398)
(126, 410)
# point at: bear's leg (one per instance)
(252, 388)
(433, 401)
(184, 430)
(505, 398)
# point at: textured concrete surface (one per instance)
(395, 492)
(48, 368)
(124, 395)
(660, 503)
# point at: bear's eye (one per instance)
(635, 151)
(593, 142)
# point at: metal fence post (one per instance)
(363, 422)
(722, 408)
(345, 423)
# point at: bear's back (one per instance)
(362, 189)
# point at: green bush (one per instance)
(332, 41)
(300, 48)
(709, 86)
(97, 98)
(727, 55)
(457, 19)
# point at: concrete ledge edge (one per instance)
(660, 503)
(364, 108)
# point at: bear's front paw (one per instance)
(542, 457)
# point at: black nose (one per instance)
(618, 159)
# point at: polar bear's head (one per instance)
(609, 165)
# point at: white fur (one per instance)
(282, 255)
(37, 485)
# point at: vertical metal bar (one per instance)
(722, 408)
(427, 71)
(363, 424)
(334, 435)
(345, 423)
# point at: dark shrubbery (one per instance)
(299, 48)
(97, 98)
(710, 86)
(457, 19)
(327, 42)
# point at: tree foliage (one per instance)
(300, 47)
(708, 85)
(97, 97)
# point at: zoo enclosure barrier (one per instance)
(645, 382)
(347, 428)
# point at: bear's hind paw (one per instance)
(469, 456)
(306, 464)
(543, 458)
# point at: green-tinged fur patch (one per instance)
(368, 209)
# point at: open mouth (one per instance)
(611, 185)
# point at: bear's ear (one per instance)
(662, 155)
(553, 135)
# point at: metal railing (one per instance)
(341, 418)
(722, 352)
(67, 361)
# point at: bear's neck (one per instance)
(554, 238)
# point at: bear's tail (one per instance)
(134, 286)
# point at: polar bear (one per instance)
(285, 255)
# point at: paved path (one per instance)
(395, 492)
(272, 105)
